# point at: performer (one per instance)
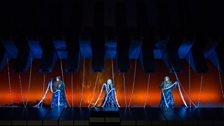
(57, 88)
(166, 100)
(110, 99)
(58, 97)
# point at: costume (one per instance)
(58, 95)
(110, 100)
(166, 100)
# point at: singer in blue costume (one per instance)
(167, 86)
(110, 101)
(58, 97)
(57, 88)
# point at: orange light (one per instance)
(210, 92)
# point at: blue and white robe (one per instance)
(110, 100)
(58, 97)
(167, 95)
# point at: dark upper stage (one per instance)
(111, 18)
(123, 29)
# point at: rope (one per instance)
(188, 96)
(21, 90)
(114, 82)
(169, 86)
(189, 77)
(182, 97)
(112, 63)
(186, 93)
(149, 77)
(44, 96)
(83, 79)
(43, 87)
(51, 89)
(133, 84)
(116, 98)
(62, 74)
(104, 85)
(72, 89)
(30, 78)
(94, 89)
(220, 81)
(199, 95)
(125, 98)
(189, 80)
(164, 98)
(9, 80)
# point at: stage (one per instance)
(125, 116)
(112, 54)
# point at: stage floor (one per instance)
(125, 116)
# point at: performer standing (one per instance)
(58, 97)
(166, 100)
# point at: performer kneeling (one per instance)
(167, 95)
(110, 99)
(58, 91)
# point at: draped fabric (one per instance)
(110, 100)
(58, 95)
(166, 100)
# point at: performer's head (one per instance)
(58, 78)
(109, 81)
(166, 78)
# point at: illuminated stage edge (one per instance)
(124, 116)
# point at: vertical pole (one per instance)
(148, 84)
(9, 80)
(21, 89)
(83, 79)
(125, 98)
(133, 84)
(44, 81)
(220, 80)
(62, 74)
(72, 89)
(199, 95)
(30, 78)
(112, 63)
(189, 79)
